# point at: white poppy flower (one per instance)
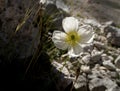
(73, 38)
(42, 1)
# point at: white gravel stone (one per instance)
(109, 65)
(117, 62)
(85, 69)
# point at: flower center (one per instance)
(72, 38)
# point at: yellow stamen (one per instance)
(72, 38)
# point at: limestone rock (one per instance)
(105, 57)
(104, 84)
(85, 69)
(109, 84)
(62, 74)
(88, 47)
(95, 55)
(99, 45)
(117, 62)
(109, 65)
(113, 35)
(96, 84)
(81, 83)
(86, 59)
(114, 89)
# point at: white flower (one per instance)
(73, 38)
(42, 1)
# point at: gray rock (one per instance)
(99, 45)
(109, 65)
(61, 68)
(13, 15)
(95, 73)
(81, 83)
(92, 22)
(102, 72)
(114, 89)
(57, 15)
(10, 12)
(113, 74)
(113, 35)
(60, 4)
(94, 9)
(111, 58)
(108, 83)
(96, 84)
(92, 76)
(101, 10)
(85, 69)
(117, 62)
(105, 57)
(88, 48)
(62, 74)
(113, 53)
(104, 84)
(118, 71)
(86, 59)
(95, 55)
(68, 64)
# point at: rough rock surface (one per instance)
(12, 15)
(101, 10)
(98, 64)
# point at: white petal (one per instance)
(59, 40)
(86, 34)
(42, 1)
(70, 24)
(71, 53)
(75, 51)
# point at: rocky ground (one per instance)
(98, 66)
(102, 10)
(99, 63)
